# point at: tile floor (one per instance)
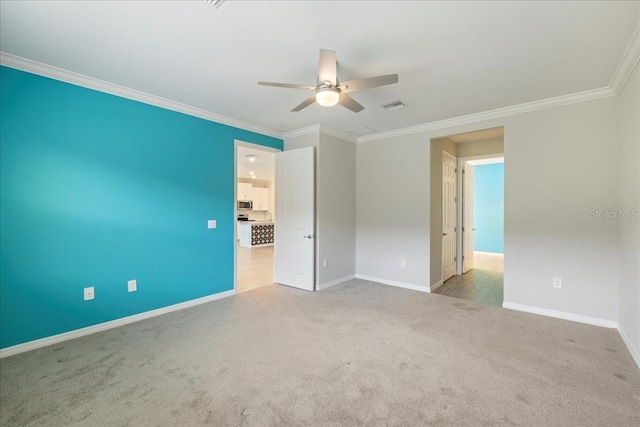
(255, 267)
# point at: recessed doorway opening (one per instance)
(255, 216)
(467, 208)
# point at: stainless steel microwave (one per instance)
(245, 205)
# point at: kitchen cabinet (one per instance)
(260, 199)
(245, 191)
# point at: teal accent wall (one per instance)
(96, 190)
(488, 208)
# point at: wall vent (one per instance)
(396, 104)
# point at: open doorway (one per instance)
(467, 241)
(255, 191)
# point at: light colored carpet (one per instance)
(356, 354)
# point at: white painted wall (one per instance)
(480, 148)
(392, 210)
(559, 165)
(336, 209)
(628, 112)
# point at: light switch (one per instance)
(89, 293)
(211, 223)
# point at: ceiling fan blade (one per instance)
(310, 100)
(350, 103)
(328, 67)
(368, 83)
(287, 85)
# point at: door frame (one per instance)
(239, 143)
(460, 178)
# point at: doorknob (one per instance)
(444, 234)
(310, 236)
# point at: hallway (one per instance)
(483, 284)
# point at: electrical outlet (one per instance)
(132, 285)
(212, 223)
(557, 282)
(403, 263)
(89, 293)
(325, 263)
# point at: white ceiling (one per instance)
(453, 58)
(263, 167)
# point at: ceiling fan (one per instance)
(329, 91)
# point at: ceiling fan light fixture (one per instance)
(327, 97)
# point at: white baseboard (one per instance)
(54, 339)
(627, 342)
(561, 315)
(436, 285)
(327, 285)
(394, 283)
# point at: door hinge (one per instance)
(455, 258)
(463, 171)
(463, 229)
(463, 257)
(455, 229)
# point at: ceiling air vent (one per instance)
(393, 105)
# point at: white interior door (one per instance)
(467, 219)
(449, 213)
(295, 208)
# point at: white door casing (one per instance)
(295, 218)
(467, 218)
(449, 214)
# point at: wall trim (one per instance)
(309, 130)
(561, 315)
(394, 283)
(55, 339)
(574, 98)
(66, 76)
(317, 128)
(344, 279)
(627, 342)
(627, 64)
(340, 135)
(436, 285)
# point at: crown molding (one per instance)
(317, 128)
(528, 107)
(66, 76)
(627, 64)
(337, 134)
(309, 130)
